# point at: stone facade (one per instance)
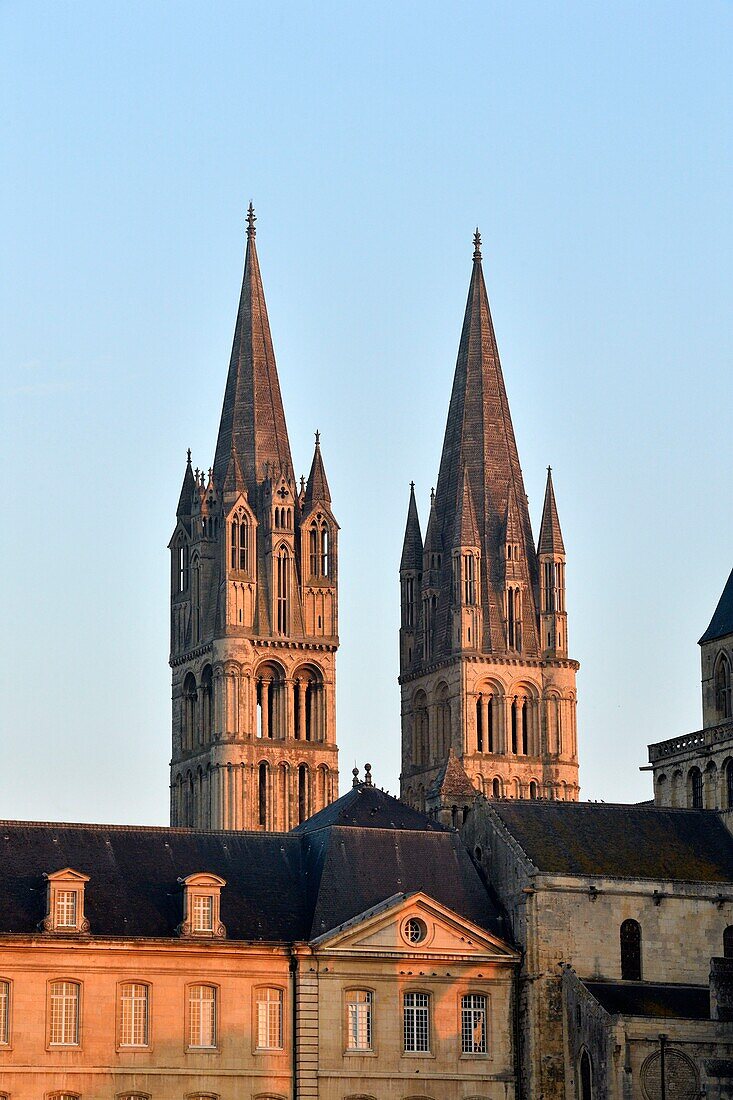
(254, 609)
(484, 665)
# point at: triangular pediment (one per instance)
(414, 925)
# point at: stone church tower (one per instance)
(484, 666)
(254, 633)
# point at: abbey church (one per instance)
(486, 936)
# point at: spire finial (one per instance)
(355, 780)
(477, 245)
(318, 438)
(412, 486)
(367, 775)
(549, 469)
(432, 496)
(251, 219)
(188, 457)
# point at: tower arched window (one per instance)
(630, 937)
(262, 780)
(729, 785)
(325, 552)
(695, 788)
(239, 544)
(190, 699)
(313, 550)
(282, 608)
(533, 790)
(207, 700)
(514, 618)
(181, 566)
(496, 788)
(723, 687)
(469, 579)
(303, 792)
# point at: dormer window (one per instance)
(65, 904)
(201, 906)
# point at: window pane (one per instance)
(202, 1013)
(64, 1024)
(203, 913)
(134, 1015)
(359, 1020)
(66, 908)
(4, 1012)
(473, 1024)
(417, 1022)
(269, 1019)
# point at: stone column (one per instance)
(485, 723)
(300, 688)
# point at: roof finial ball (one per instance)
(355, 780)
(367, 775)
(251, 219)
(477, 245)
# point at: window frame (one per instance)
(369, 1051)
(78, 1045)
(67, 880)
(7, 1043)
(189, 1047)
(470, 992)
(415, 1053)
(198, 885)
(284, 1036)
(119, 1045)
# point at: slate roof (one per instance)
(721, 623)
(317, 490)
(550, 540)
(591, 838)
(452, 781)
(686, 1002)
(281, 887)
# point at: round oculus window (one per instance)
(414, 930)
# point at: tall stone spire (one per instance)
(484, 670)
(479, 438)
(252, 417)
(254, 609)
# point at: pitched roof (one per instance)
(368, 806)
(550, 540)
(280, 887)
(452, 781)
(685, 1002)
(648, 842)
(721, 623)
(316, 491)
(252, 416)
(412, 545)
(479, 438)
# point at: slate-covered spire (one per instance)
(412, 548)
(550, 540)
(188, 490)
(316, 490)
(465, 531)
(479, 439)
(433, 540)
(252, 417)
(512, 525)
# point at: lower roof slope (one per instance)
(279, 887)
(687, 1002)
(647, 842)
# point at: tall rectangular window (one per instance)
(64, 1022)
(134, 1015)
(65, 909)
(4, 1013)
(416, 1019)
(202, 1016)
(473, 1024)
(269, 1019)
(283, 591)
(203, 913)
(359, 1019)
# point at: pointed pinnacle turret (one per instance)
(252, 417)
(433, 540)
(550, 540)
(316, 490)
(234, 478)
(412, 548)
(465, 531)
(188, 489)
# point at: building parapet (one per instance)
(691, 742)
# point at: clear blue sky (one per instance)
(590, 142)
